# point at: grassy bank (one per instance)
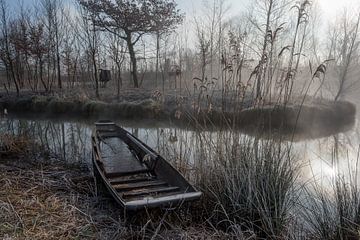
(251, 191)
(295, 121)
(88, 108)
(254, 188)
(42, 198)
(249, 186)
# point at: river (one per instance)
(69, 139)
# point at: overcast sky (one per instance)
(328, 8)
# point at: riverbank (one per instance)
(132, 103)
(251, 187)
(51, 105)
(297, 120)
(43, 198)
(311, 120)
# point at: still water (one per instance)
(320, 159)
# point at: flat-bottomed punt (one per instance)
(135, 175)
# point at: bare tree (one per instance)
(58, 24)
(90, 36)
(204, 46)
(347, 53)
(70, 57)
(38, 48)
(131, 19)
(117, 54)
(53, 21)
(7, 58)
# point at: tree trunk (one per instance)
(93, 56)
(119, 83)
(41, 74)
(95, 74)
(8, 78)
(36, 76)
(157, 57)
(119, 79)
(58, 59)
(13, 75)
(346, 65)
(133, 60)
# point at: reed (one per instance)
(248, 184)
(332, 211)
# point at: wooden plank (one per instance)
(97, 156)
(104, 123)
(142, 147)
(139, 192)
(133, 184)
(129, 173)
(118, 158)
(158, 201)
(136, 185)
(158, 195)
(105, 135)
(122, 166)
(122, 180)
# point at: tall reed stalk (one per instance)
(333, 212)
(249, 185)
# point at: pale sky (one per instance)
(329, 8)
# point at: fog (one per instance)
(254, 102)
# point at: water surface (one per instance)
(320, 159)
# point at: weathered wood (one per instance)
(119, 160)
(152, 196)
(138, 192)
(136, 185)
(135, 175)
(128, 173)
(170, 199)
(122, 180)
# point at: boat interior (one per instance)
(134, 172)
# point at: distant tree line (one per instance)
(272, 49)
(40, 47)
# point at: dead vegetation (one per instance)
(49, 202)
(46, 199)
(13, 145)
(53, 202)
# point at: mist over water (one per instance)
(320, 159)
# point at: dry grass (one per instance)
(43, 199)
(53, 202)
(333, 212)
(45, 202)
(13, 145)
(46, 199)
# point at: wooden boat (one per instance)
(134, 174)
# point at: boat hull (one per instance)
(134, 174)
